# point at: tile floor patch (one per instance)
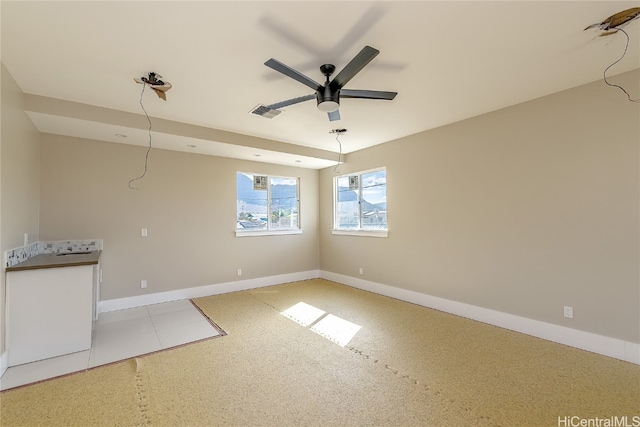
(120, 335)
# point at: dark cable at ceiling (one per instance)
(146, 157)
(619, 59)
(612, 25)
(338, 132)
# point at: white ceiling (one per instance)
(448, 61)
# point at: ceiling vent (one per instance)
(266, 112)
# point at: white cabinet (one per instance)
(50, 312)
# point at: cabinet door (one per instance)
(49, 312)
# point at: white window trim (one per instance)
(273, 232)
(268, 232)
(359, 231)
(366, 233)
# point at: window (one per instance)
(266, 204)
(361, 203)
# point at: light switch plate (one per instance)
(568, 312)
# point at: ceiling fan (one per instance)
(327, 95)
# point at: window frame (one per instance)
(356, 231)
(269, 231)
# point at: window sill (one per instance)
(267, 233)
(364, 233)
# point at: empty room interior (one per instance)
(320, 213)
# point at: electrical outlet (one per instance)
(361, 270)
(143, 232)
(26, 239)
(568, 312)
(239, 272)
(143, 284)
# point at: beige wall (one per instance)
(523, 210)
(186, 201)
(19, 178)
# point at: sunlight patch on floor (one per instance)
(333, 328)
(303, 314)
(336, 329)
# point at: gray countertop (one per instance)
(57, 261)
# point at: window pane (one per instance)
(347, 210)
(374, 200)
(284, 203)
(251, 205)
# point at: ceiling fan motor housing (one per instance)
(328, 100)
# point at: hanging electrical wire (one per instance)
(618, 60)
(146, 157)
(612, 25)
(338, 132)
(335, 170)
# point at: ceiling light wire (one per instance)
(146, 157)
(335, 170)
(338, 132)
(620, 59)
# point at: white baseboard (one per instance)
(4, 362)
(203, 291)
(607, 346)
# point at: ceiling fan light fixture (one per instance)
(328, 106)
(327, 98)
(328, 95)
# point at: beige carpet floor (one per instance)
(406, 366)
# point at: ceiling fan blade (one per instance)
(368, 94)
(290, 72)
(334, 115)
(352, 68)
(291, 101)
